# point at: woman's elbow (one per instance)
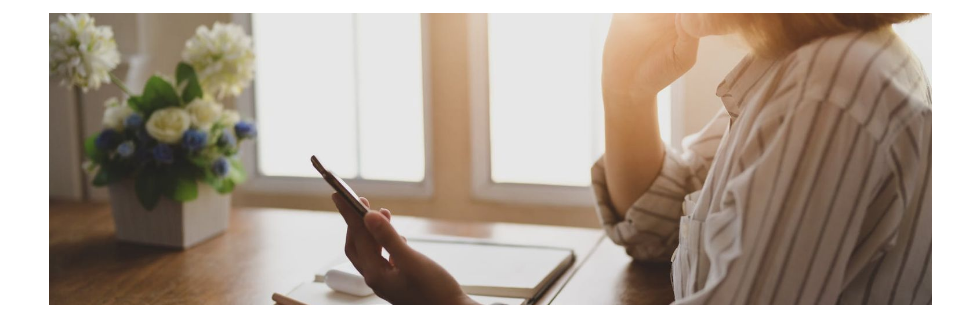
(649, 253)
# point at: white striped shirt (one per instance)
(813, 185)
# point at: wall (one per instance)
(154, 41)
(451, 136)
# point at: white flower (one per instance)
(89, 166)
(115, 114)
(204, 113)
(80, 52)
(229, 118)
(168, 124)
(222, 57)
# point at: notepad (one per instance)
(316, 293)
(492, 269)
(498, 270)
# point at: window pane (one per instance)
(546, 123)
(918, 35)
(304, 95)
(389, 66)
(351, 94)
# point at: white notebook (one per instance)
(491, 269)
(317, 293)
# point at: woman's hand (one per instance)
(407, 277)
(644, 53)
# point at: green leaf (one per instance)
(158, 94)
(201, 161)
(187, 169)
(116, 171)
(184, 72)
(210, 178)
(91, 151)
(229, 151)
(147, 189)
(222, 185)
(236, 172)
(186, 190)
(167, 182)
(135, 103)
(192, 88)
(101, 177)
(226, 187)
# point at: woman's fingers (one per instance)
(686, 47)
(363, 252)
(350, 248)
(350, 216)
(362, 248)
(367, 253)
(384, 234)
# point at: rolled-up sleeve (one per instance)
(648, 228)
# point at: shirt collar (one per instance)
(744, 78)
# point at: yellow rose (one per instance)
(168, 124)
(229, 118)
(204, 113)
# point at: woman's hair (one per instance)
(775, 34)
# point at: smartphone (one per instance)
(341, 187)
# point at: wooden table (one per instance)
(272, 250)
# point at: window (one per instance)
(350, 93)
(538, 118)
(918, 35)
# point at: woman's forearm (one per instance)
(643, 54)
(634, 150)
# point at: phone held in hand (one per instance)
(341, 187)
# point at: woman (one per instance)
(811, 185)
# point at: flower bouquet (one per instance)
(167, 145)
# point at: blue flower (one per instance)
(133, 121)
(245, 130)
(227, 138)
(163, 153)
(108, 139)
(195, 139)
(220, 167)
(126, 149)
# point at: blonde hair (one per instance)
(776, 34)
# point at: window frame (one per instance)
(285, 185)
(482, 185)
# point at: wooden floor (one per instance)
(273, 250)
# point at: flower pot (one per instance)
(170, 223)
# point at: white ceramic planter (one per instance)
(170, 223)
